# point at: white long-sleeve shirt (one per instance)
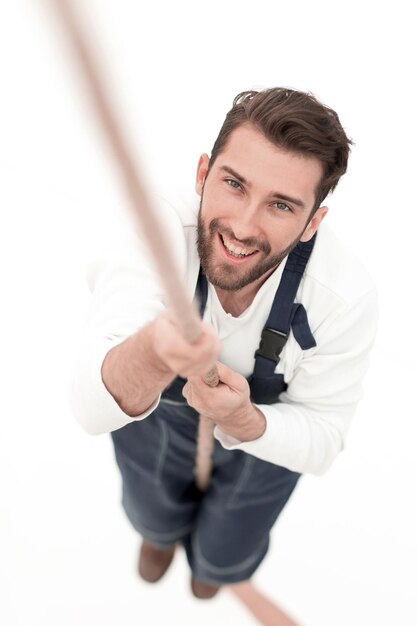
(307, 429)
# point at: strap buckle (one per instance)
(272, 343)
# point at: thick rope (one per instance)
(186, 313)
(184, 310)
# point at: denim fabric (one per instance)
(225, 531)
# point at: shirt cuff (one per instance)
(148, 411)
(257, 446)
(228, 442)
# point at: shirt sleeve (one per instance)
(91, 403)
(126, 295)
(307, 429)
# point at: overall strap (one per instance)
(285, 314)
(201, 292)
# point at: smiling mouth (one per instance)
(237, 251)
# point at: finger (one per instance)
(186, 390)
(227, 376)
(231, 378)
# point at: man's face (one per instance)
(255, 206)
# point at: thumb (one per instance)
(231, 378)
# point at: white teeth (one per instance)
(236, 250)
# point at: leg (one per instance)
(156, 460)
(244, 499)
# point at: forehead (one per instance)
(269, 168)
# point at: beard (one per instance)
(227, 276)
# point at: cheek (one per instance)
(206, 213)
(282, 235)
(217, 203)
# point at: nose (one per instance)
(246, 222)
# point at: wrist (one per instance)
(148, 339)
(250, 426)
(133, 375)
(256, 425)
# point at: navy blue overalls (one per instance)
(225, 531)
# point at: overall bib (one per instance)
(225, 531)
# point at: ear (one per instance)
(202, 168)
(314, 223)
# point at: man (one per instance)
(288, 317)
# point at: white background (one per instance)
(344, 550)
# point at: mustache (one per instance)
(215, 226)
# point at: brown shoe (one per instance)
(154, 562)
(203, 591)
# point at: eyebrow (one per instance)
(275, 194)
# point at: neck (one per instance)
(233, 302)
(236, 302)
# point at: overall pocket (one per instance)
(260, 483)
(141, 447)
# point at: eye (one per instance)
(282, 206)
(233, 183)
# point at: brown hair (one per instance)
(297, 122)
